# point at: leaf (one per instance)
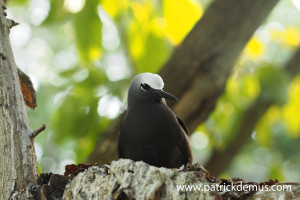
(39, 168)
(291, 36)
(74, 170)
(290, 111)
(57, 12)
(76, 117)
(115, 8)
(180, 18)
(16, 2)
(155, 54)
(88, 32)
(264, 133)
(27, 90)
(255, 48)
(273, 83)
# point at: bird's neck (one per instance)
(141, 103)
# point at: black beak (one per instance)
(163, 94)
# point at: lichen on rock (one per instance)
(126, 179)
(135, 180)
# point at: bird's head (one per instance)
(147, 87)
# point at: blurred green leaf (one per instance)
(273, 83)
(290, 111)
(77, 117)
(39, 168)
(155, 52)
(57, 13)
(114, 7)
(176, 25)
(119, 88)
(276, 171)
(79, 106)
(18, 2)
(69, 72)
(264, 135)
(88, 32)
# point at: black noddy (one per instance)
(150, 131)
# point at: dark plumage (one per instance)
(151, 132)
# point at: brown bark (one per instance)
(17, 156)
(198, 69)
(221, 160)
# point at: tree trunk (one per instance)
(220, 160)
(198, 69)
(17, 156)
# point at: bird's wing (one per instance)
(182, 124)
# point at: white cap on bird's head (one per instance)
(147, 87)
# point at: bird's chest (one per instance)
(154, 122)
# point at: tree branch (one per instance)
(198, 69)
(35, 132)
(221, 160)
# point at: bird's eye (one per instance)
(145, 87)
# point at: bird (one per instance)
(150, 131)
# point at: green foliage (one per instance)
(240, 93)
(18, 2)
(39, 169)
(274, 82)
(57, 13)
(77, 116)
(88, 32)
(159, 51)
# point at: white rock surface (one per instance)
(125, 179)
(134, 180)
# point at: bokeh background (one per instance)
(82, 54)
